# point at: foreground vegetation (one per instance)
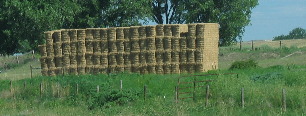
(263, 87)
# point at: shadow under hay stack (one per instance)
(160, 49)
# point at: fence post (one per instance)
(207, 95)
(31, 71)
(77, 89)
(242, 97)
(144, 92)
(252, 45)
(176, 94)
(280, 44)
(284, 100)
(98, 88)
(41, 89)
(120, 84)
(17, 58)
(240, 45)
(32, 54)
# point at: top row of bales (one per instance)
(121, 33)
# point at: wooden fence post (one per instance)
(120, 84)
(280, 44)
(240, 45)
(252, 45)
(77, 89)
(98, 88)
(176, 94)
(284, 100)
(207, 95)
(41, 89)
(144, 92)
(242, 97)
(31, 71)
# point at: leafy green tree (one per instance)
(297, 33)
(232, 15)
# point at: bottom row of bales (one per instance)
(142, 69)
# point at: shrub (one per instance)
(244, 65)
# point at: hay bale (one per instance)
(103, 69)
(120, 58)
(103, 34)
(120, 33)
(43, 62)
(81, 47)
(127, 60)
(175, 43)
(51, 71)
(89, 69)
(175, 68)
(73, 70)
(135, 45)
(42, 50)
(96, 34)
(200, 30)
(120, 45)
(56, 36)
(73, 35)
(167, 43)
(126, 32)
(66, 60)
(81, 34)
(200, 43)
(127, 68)
(191, 30)
(104, 60)
(73, 60)
(168, 30)
(96, 47)
(150, 31)
(183, 56)
(112, 59)
(167, 56)
(134, 57)
(89, 46)
(151, 43)
(199, 56)
(175, 30)
(190, 67)
(159, 69)
(111, 34)
(57, 49)
(142, 58)
(127, 46)
(151, 57)
(73, 48)
(50, 62)
(143, 69)
(151, 68)
(104, 47)
(81, 60)
(119, 69)
(191, 42)
(65, 35)
(143, 44)
(160, 30)
(159, 43)
(44, 72)
(135, 69)
(190, 56)
(89, 57)
(66, 48)
(96, 59)
(134, 34)
(199, 67)
(81, 69)
(142, 32)
(183, 43)
(48, 36)
(175, 56)
(183, 68)
(58, 60)
(167, 68)
(89, 35)
(159, 57)
(112, 46)
(58, 71)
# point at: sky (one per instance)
(275, 17)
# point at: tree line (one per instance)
(22, 22)
(297, 33)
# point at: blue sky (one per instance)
(275, 17)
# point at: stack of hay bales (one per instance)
(104, 51)
(111, 36)
(73, 52)
(96, 51)
(161, 49)
(150, 49)
(120, 50)
(66, 51)
(127, 50)
(43, 59)
(81, 50)
(135, 49)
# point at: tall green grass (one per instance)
(263, 87)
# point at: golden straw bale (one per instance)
(175, 68)
(65, 35)
(143, 44)
(191, 30)
(190, 67)
(66, 60)
(50, 62)
(151, 57)
(120, 58)
(96, 59)
(142, 58)
(43, 62)
(103, 34)
(159, 43)
(159, 69)
(142, 32)
(96, 34)
(73, 35)
(89, 57)
(135, 45)
(104, 47)
(96, 47)
(111, 34)
(127, 60)
(112, 46)
(183, 56)
(176, 30)
(167, 56)
(159, 56)
(175, 56)
(73, 70)
(150, 43)
(183, 43)
(126, 32)
(199, 56)
(200, 30)
(160, 30)
(58, 61)
(81, 34)
(175, 43)
(89, 69)
(120, 45)
(167, 68)
(120, 33)
(51, 71)
(44, 72)
(150, 31)
(143, 69)
(73, 60)
(151, 68)
(134, 34)
(104, 60)
(167, 30)
(112, 59)
(127, 68)
(191, 42)
(48, 36)
(56, 36)
(81, 70)
(42, 50)
(190, 56)
(134, 56)
(199, 67)
(167, 43)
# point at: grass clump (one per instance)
(244, 64)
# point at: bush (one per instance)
(244, 65)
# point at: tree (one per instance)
(232, 15)
(296, 33)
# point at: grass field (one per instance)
(279, 69)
